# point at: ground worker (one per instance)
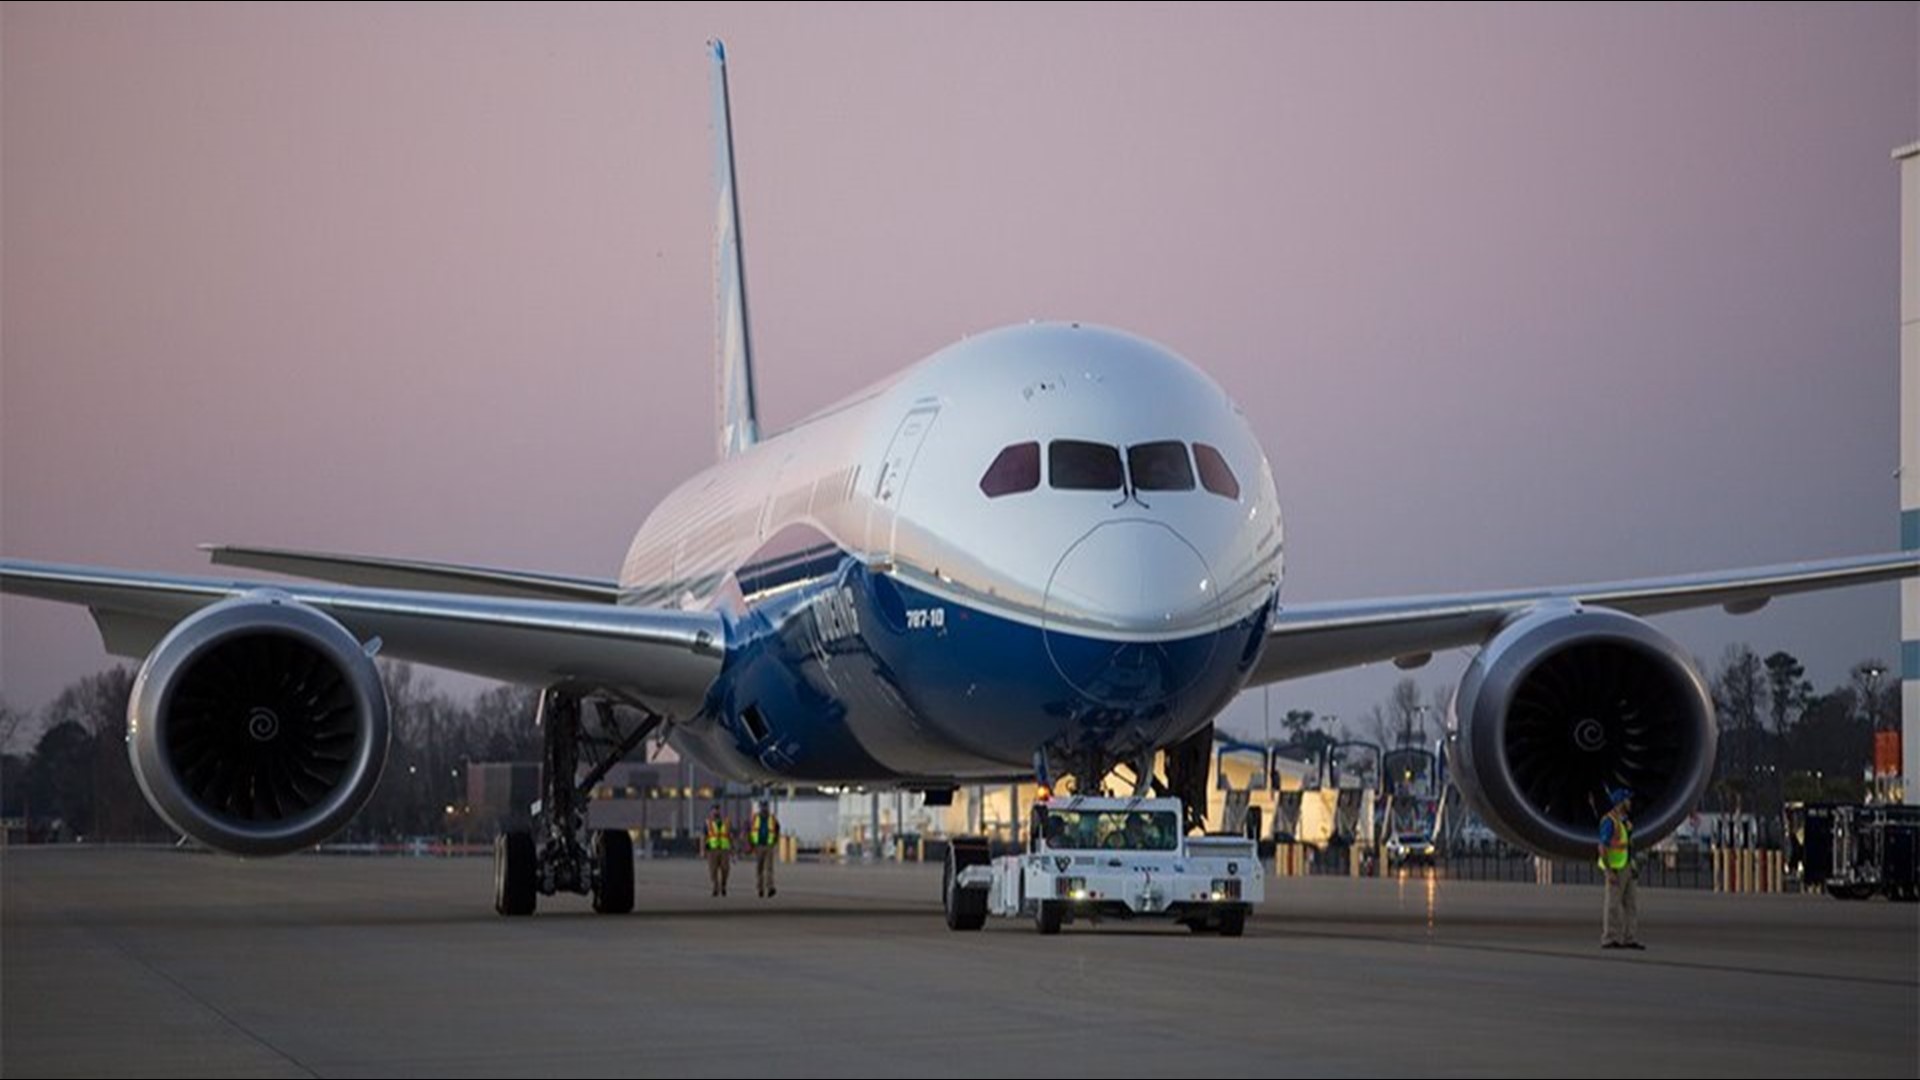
(763, 839)
(719, 849)
(1620, 920)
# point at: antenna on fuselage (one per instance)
(736, 410)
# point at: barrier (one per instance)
(1749, 870)
(1290, 860)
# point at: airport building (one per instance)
(664, 799)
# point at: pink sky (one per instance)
(1512, 295)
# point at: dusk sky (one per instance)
(1512, 296)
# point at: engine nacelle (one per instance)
(1568, 702)
(258, 726)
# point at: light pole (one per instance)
(1326, 750)
(1877, 788)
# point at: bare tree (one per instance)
(1381, 726)
(1738, 692)
(503, 718)
(15, 728)
(397, 807)
(98, 703)
(1872, 689)
(1407, 713)
(435, 737)
(14, 733)
(1440, 697)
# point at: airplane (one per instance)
(1049, 551)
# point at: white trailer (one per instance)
(1097, 858)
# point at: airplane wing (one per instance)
(383, 573)
(1308, 639)
(665, 658)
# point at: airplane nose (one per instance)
(1142, 583)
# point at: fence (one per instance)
(1719, 869)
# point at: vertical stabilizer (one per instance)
(737, 412)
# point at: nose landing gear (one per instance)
(1187, 765)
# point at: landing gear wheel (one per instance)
(514, 872)
(966, 909)
(1233, 923)
(612, 872)
(1048, 916)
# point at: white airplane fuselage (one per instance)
(893, 620)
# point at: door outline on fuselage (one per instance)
(890, 486)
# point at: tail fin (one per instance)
(738, 414)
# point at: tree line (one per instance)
(1781, 740)
(64, 771)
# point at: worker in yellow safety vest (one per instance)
(1620, 919)
(719, 849)
(763, 839)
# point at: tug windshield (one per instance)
(1128, 830)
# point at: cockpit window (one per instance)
(1073, 465)
(1215, 476)
(1016, 469)
(1159, 466)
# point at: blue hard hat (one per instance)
(1616, 796)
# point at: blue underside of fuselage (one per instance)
(837, 674)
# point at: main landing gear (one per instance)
(560, 854)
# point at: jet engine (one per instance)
(258, 726)
(1568, 702)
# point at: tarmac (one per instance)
(155, 962)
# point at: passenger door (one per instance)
(890, 486)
